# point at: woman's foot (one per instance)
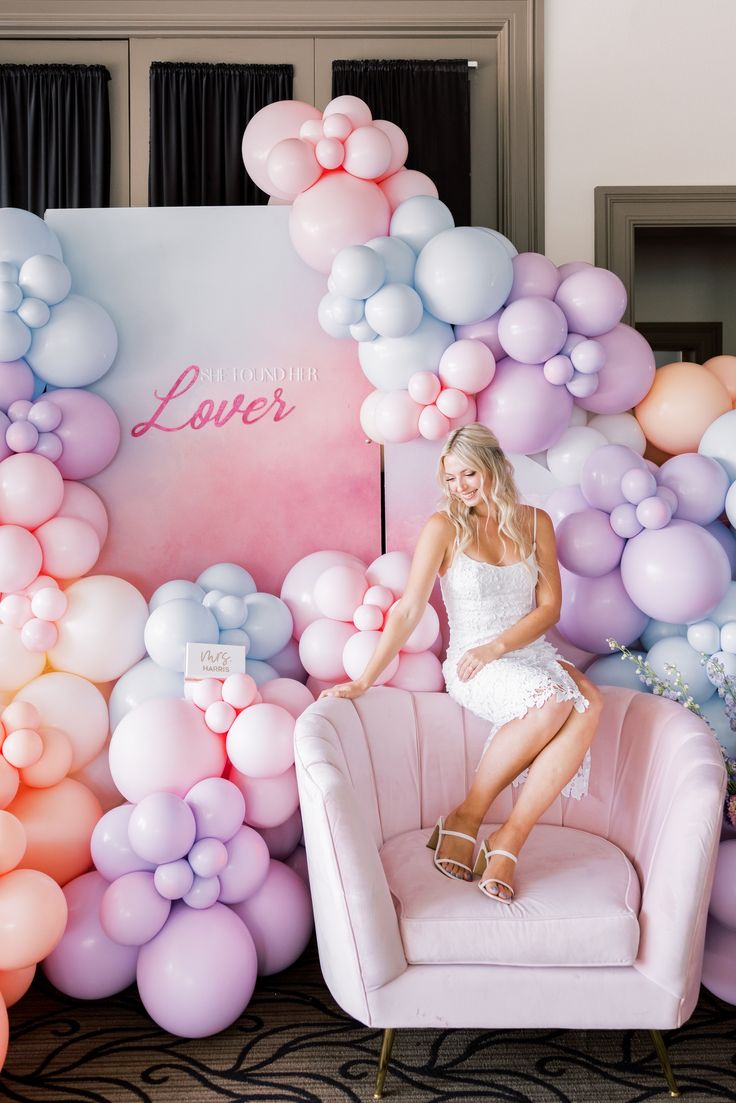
(500, 867)
(458, 849)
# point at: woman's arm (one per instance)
(432, 546)
(535, 623)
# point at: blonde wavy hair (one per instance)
(477, 447)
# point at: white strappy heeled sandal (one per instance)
(481, 863)
(435, 842)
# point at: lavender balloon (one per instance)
(627, 374)
(594, 609)
(534, 274)
(16, 381)
(279, 917)
(110, 845)
(676, 574)
(699, 482)
(563, 502)
(532, 330)
(218, 807)
(602, 473)
(89, 433)
(624, 521)
(161, 828)
(593, 301)
(526, 413)
(587, 545)
(132, 911)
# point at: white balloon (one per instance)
(23, 234)
(77, 345)
(101, 633)
(579, 416)
(719, 441)
(34, 312)
(566, 457)
(620, 429)
(45, 277)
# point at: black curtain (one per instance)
(54, 136)
(198, 114)
(430, 101)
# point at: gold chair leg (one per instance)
(661, 1049)
(388, 1041)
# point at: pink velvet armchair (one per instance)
(607, 927)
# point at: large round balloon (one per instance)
(338, 210)
(532, 329)
(602, 472)
(626, 375)
(172, 625)
(683, 401)
(615, 670)
(389, 362)
(23, 235)
(587, 545)
(594, 609)
(58, 822)
(676, 574)
(279, 917)
(31, 490)
(593, 301)
(273, 124)
(17, 664)
(87, 964)
(297, 589)
(101, 633)
(32, 917)
(142, 682)
(76, 346)
(676, 651)
(463, 275)
(197, 975)
(74, 706)
(526, 413)
(700, 484)
(89, 433)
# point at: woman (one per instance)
(501, 585)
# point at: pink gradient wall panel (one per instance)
(240, 431)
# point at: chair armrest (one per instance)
(666, 815)
(357, 927)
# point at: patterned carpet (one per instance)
(294, 1045)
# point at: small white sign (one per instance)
(214, 660)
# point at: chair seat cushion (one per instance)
(576, 904)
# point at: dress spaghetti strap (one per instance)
(534, 535)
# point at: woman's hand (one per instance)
(345, 689)
(475, 659)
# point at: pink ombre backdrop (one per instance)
(221, 288)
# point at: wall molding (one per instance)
(619, 211)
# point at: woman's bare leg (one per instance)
(550, 771)
(511, 750)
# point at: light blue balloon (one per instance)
(77, 345)
(417, 220)
(175, 624)
(676, 650)
(260, 672)
(463, 275)
(389, 362)
(394, 311)
(45, 278)
(660, 630)
(230, 611)
(236, 636)
(715, 714)
(399, 258)
(327, 319)
(507, 244)
(357, 272)
(270, 625)
(142, 682)
(612, 670)
(361, 331)
(228, 577)
(23, 235)
(15, 337)
(725, 610)
(176, 588)
(725, 537)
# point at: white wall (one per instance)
(636, 92)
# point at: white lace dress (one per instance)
(482, 600)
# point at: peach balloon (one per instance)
(9, 782)
(101, 633)
(80, 501)
(32, 917)
(14, 983)
(12, 841)
(58, 822)
(724, 368)
(4, 1031)
(75, 707)
(683, 401)
(54, 763)
(17, 666)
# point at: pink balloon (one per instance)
(329, 153)
(9, 782)
(397, 416)
(339, 591)
(31, 490)
(219, 716)
(432, 423)
(381, 596)
(452, 403)
(20, 557)
(594, 609)
(534, 274)
(676, 574)
(389, 571)
(338, 210)
(358, 652)
(239, 690)
(297, 589)
(368, 153)
(526, 413)
(268, 800)
(587, 545)
(356, 110)
(627, 374)
(89, 433)
(80, 501)
(424, 386)
(49, 603)
(22, 747)
(399, 145)
(279, 917)
(419, 672)
(269, 126)
(485, 332)
(336, 126)
(260, 741)
(593, 301)
(70, 547)
(467, 365)
(288, 694)
(321, 648)
(283, 839)
(368, 618)
(566, 270)
(292, 166)
(405, 184)
(15, 609)
(54, 763)
(247, 865)
(164, 744)
(368, 416)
